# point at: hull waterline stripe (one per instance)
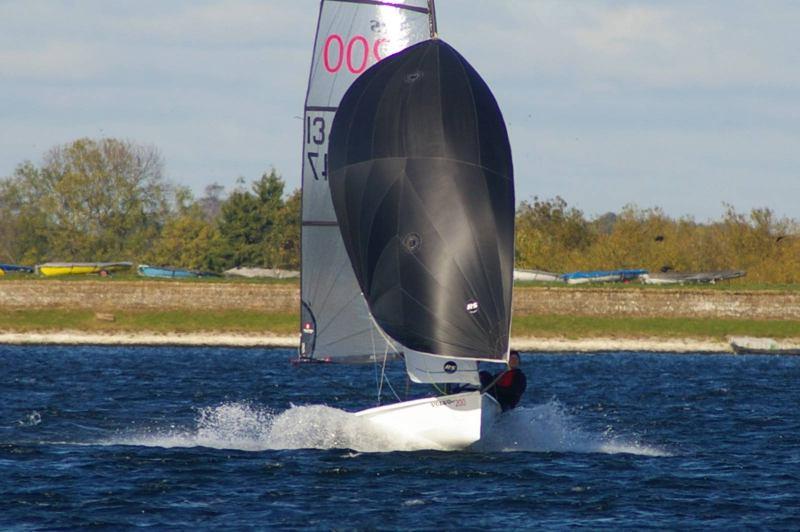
(387, 4)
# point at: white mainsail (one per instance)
(351, 36)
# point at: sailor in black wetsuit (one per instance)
(508, 386)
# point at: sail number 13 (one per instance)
(317, 146)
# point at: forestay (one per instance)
(351, 36)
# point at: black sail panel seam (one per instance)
(485, 184)
(444, 242)
(342, 269)
(428, 158)
(450, 343)
(337, 315)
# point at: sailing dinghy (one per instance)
(408, 215)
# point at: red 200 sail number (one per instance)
(354, 54)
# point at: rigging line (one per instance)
(383, 374)
(388, 343)
(378, 383)
(386, 338)
(389, 384)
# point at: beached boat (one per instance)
(270, 273)
(408, 230)
(12, 268)
(166, 272)
(537, 275)
(602, 276)
(51, 269)
(682, 278)
(745, 345)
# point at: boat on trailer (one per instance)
(168, 272)
(603, 276)
(689, 277)
(746, 345)
(52, 269)
(407, 216)
(14, 268)
(537, 276)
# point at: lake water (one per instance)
(237, 438)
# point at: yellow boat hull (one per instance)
(52, 270)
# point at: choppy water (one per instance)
(237, 438)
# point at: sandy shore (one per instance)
(117, 338)
(554, 345)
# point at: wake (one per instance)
(248, 427)
(549, 428)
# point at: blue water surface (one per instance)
(213, 437)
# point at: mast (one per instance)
(432, 15)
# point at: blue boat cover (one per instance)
(15, 268)
(624, 274)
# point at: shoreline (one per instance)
(210, 339)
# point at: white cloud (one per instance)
(50, 60)
(709, 44)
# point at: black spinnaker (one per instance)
(421, 180)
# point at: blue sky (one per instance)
(681, 104)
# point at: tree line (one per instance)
(108, 200)
(555, 237)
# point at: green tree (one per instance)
(190, 238)
(25, 230)
(251, 223)
(289, 241)
(550, 235)
(90, 200)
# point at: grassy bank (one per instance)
(252, 322)
(128, 277)
(183, 321)
(736, 285)
(616, 327)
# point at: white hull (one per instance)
(449, 422)
(764, 346)
(599, 279)
(536, 275)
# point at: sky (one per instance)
(684, 105)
